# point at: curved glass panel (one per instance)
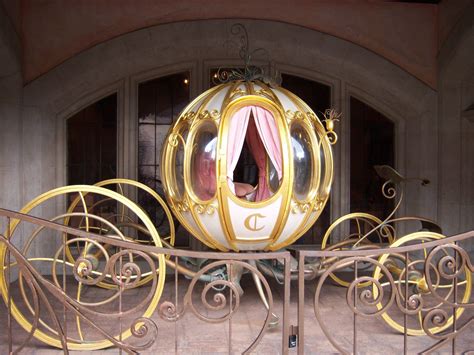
(273, 181)
(302, 160)
(203, 161)
(179, 165)
(323, 189)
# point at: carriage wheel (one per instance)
(143, 195)
(417, 285)
(153, 197)
(358, 225)
(43, 325)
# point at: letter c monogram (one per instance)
(251, 222)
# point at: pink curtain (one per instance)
(235, 141)
(266, 140)
(268, 131)
(258, 152)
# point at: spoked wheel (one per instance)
(150, 201)
(428, 295)
(94, 311)
(123, 219)
(358, 224)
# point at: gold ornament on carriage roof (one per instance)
(246, 118)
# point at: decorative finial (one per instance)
(268, 75)
(331, 116)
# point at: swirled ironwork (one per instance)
(45, 291)
(429, 281)
(405, 276)
(250, 72)
(121, 267)
(169, 311)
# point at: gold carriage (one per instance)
(295, 169)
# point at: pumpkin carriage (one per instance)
(227, 209)
(228, 206)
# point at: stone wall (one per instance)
(456, 127)
(10, 117)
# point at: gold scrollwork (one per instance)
(331, 116)
(182, 206)
(236, 92)
(214, 114)
(174, 139)
(264, 92)
(188, 116)
(294, 115)
(332, 137)
(319, 204)
(311, 116)
(203, 208)
(300, 208)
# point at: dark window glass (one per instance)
(318, 97)
(372, 143)
(160, 102)
(92, 143)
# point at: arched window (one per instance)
(318, 97)
(159, 103)
(92, 143)
(372, 143)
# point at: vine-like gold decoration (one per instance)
(294, 115)
(205, 208)
(300, 207)
(213, 114)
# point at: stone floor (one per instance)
(191, 335)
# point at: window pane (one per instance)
(372, 143)
(302, 161)
(92, 143)
(159, 103)
(203, 161)
(178, 171)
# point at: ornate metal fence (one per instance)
(418, 294)
(52, 310)
(415, 294)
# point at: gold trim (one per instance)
(178, 206)
(322, 193)
(188, 150)
(316, 163)
(224, 192)
(189, 147)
